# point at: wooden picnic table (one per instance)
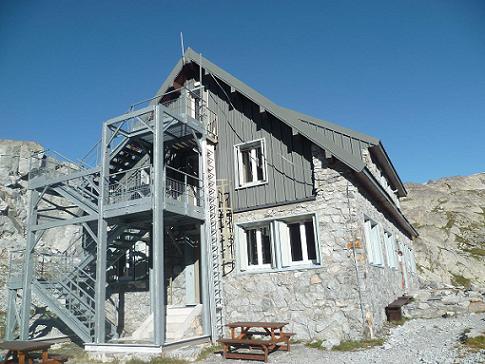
(242, 337)
(273, 329)
(19, 351)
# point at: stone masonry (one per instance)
(327, 301)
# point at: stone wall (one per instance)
(321, 302)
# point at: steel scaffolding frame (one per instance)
(80, 297)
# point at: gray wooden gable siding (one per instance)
(350, 144)
(288, 157)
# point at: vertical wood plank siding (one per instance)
(288, 157)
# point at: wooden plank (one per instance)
(262, 324)
(280, 195)
(251, 135)
(250, 356)
(307, 165)
(299, 172)
(288, 164)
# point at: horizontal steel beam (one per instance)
(130, 115)
(74, 221)
(42, 181)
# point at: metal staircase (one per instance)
(67, 285)
(65, 282)
(123, 210)
(126, 156)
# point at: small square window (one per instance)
(250, 163)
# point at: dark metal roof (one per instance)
(344, 144)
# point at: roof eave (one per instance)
(384, 198)
(380, 153)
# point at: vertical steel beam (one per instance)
(204, 247)
(102, 247)
(159, 319)
(11, 317)
(28, 268)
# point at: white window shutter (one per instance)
(379, 242)
(394, 251)
(239, 167)
(284, 241)
(243, 248)
(387, 245)
(376, 245)
(368, 241)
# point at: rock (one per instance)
(449, 215)
(476, 307)
(331, 342)
(3, 208)
(315, 279)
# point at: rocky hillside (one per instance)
(14, 167)
(449, 215)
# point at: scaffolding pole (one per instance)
(159, 320)
(102, 247)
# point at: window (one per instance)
(373, 243)
(409, 259)
(259, 246)
(278, 244)
(412, 261)
(390, 245)
(298, 241)
(301, 241)
(250, 163)
(194, 101)
(255, 247)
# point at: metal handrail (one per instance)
(182, 172)
(95, 148)
(160, 96)
(202, 112)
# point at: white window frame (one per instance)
(390, 244)
(280, 245)
(238, 164)
(373, 240)
(243, 247)
(284, 238)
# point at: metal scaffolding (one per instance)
(136, 193)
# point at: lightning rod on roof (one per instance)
(182, 46)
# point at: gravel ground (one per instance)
(417, 341)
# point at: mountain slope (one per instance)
(449, 215)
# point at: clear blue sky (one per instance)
(411, 73)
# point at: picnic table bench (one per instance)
(275, 338)
(25, 352)
(393, 310)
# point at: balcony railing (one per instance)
(187, 103)
(131, 185)
(137, 183)
(184, 187)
